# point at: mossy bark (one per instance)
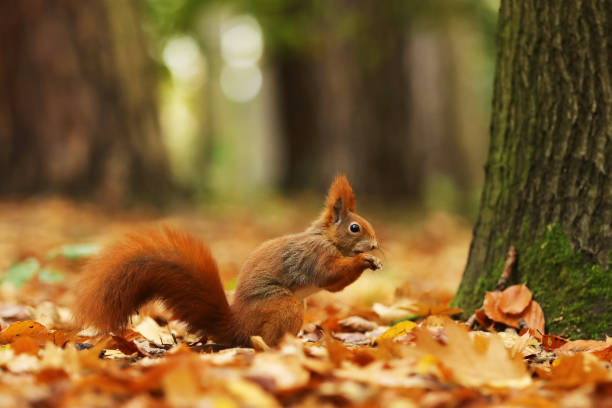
(548, 187)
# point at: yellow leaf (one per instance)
(397, 330)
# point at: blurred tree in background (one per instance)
(381, 90)
(77, 111)
(253, 95)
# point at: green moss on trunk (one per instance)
(547, 179)
(574, 292)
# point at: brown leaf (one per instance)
(51, 375)
(551, 342)
(482, 318)
(534, 317)
(600, 349)
(127, 347)
(515, 299)
(493, 312)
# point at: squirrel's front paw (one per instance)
(372, 262)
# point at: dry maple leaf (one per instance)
(481, 360)
(515, 299)
(277, 373)
(577, 369)
(482, 318)
(532, 314)
(357, 323)
(397, 330)
(600, 349)
(25, 344)
(493, 312)
(551, 342)
(534, 317)
(26, 328)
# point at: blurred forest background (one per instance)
(114, 100)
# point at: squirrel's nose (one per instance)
(373, 245)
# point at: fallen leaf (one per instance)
(28, 328)
(181, 385)
(577, 369)
(153, 332)
(493, 312)
(423, 309)
(551, 342)
(26, 345)
(515, 299)
(23, 363)
(392, 313)
(534, 317)
(51, 375)
(482, 318)
(74, 252)
(127, 347)
(353, 338)
(481, 360)
(357, 323)
(277, 373)
(14, 312)
(600, 349)
(250, 394)
(397, 330)
(21, 272)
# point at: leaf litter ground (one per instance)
(385, 341)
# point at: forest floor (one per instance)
(386, 340)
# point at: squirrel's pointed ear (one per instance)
(340, 199)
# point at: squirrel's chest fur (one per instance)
(291, 264)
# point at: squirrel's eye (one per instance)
(354, 227)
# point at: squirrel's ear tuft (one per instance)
(340, 199)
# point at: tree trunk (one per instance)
(77, 107)
(548, 187)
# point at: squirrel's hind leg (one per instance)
(272, 317)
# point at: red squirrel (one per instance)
(179, 270)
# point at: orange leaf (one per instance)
(29, 328)
(490, 305)
(534, 317)
(59, 338)
(600, 349)
(51, 375)
(492, 310)
(551, 342)
(127, 347)
(515, 299)
(482, 318)
(575, 370)
(26, 345)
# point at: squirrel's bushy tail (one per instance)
(155, 265)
